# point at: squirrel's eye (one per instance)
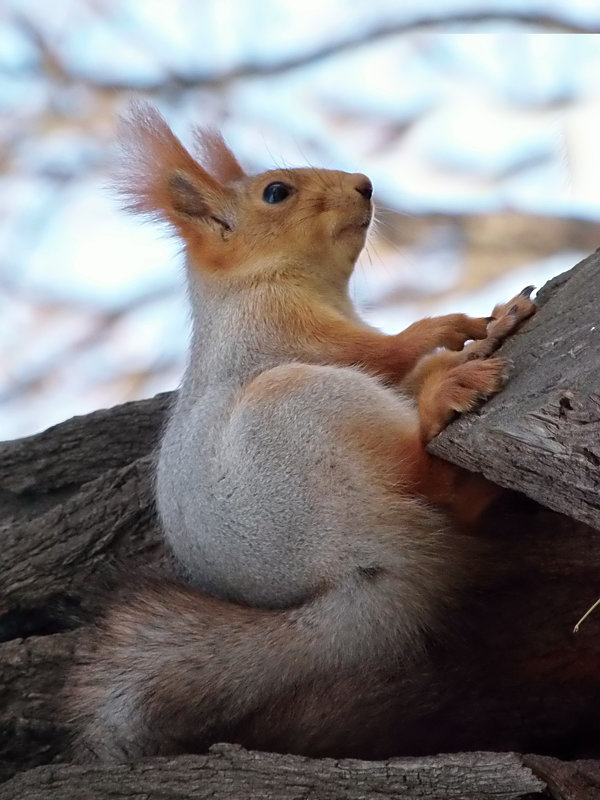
(276, 192)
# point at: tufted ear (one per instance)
(216, 156)
(158, 176)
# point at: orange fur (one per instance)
(152, 156)
(389, 357)
(292, 479)
(237, 241)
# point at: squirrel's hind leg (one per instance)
(448, 385)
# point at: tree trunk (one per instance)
(76, 504)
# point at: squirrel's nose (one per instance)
(364, 187)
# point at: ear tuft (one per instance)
(216, 156)
(157, 175)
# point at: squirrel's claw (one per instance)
(526, 292)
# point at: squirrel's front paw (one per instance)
(456, 329)
(505, 319)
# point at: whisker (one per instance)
(396, 211)
(380, 235)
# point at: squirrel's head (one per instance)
(285, 219)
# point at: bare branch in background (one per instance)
(170, 82)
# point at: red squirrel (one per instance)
(319, 541)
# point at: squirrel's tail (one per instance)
(174, 670)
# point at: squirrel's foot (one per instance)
(458, 390)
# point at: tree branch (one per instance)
(228, 771)
(541, 434)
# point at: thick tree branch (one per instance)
(228, 772)
(541, 434)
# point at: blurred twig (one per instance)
(100, 325)
(170, 81)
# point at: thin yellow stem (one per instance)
(587, 613)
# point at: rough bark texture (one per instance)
(541, 435)
(76, 503)
(231, 772)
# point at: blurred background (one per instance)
(478, 123)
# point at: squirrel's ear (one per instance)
(217, 157)
(158, 176)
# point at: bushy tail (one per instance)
(174, 670)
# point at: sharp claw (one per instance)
(526, 292)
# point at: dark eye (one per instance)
(276, 192)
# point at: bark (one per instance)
(575, 780)
(76, 509)
(32, 674)
(231, 772)
(42, 470)
(56, 553)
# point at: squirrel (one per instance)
(318, 540)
